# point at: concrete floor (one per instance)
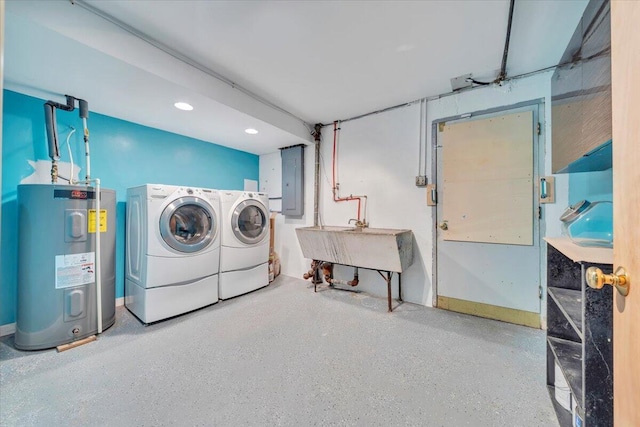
(286, 356)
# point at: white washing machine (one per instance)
(244, 251)
(172, 250)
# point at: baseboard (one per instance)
(509, 315)
(8, 329)
(543, 323)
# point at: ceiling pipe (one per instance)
(503, 69)
(502, 76)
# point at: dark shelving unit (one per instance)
(570, 303)
(580, 332)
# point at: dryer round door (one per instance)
(188, 224)
(249, 222)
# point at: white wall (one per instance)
(286, 243)
(270, 167)
(593, 186)
(378, 156)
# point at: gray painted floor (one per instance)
(286, 356)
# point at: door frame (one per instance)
(539, 168)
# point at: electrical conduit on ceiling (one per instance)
(335, 186)
(499, 80)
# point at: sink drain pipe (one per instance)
(353, 282)
(327, 270)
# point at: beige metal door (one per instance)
(625, 57)
(488, 251)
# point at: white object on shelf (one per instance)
(562, 392)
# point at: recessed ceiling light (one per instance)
(183, 106)
(405, 48)
(251, 131)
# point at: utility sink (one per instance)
(385, 249)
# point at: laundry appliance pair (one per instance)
(183, 249)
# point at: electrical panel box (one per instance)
(292, 180)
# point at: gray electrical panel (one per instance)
(292, 180)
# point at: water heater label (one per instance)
(92, 221)
(74, 194)
(75, 269)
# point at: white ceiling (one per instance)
(319, 60)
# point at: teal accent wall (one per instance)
(123, 155)
(592, 186)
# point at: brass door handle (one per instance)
(444, 225)
(596, 279)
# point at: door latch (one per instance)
(432, 195)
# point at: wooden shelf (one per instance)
(577, 253)
(569, 357)
(569, 301)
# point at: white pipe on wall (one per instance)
(98, 251)
(98, 262)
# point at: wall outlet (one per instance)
(421, 181)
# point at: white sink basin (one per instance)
(385, 249)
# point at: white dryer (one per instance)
(244, 251)
(172, 250)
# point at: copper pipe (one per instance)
(335, 185)
(331, 280)
(309, 274)
(327, 271)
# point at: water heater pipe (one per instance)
(71, 180)
(98, 263)
(84, 115)
(54, 154)
(52, 132)
(98, 253)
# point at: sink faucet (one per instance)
(359, 224)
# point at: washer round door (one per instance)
(249, 222)
(188, 224)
